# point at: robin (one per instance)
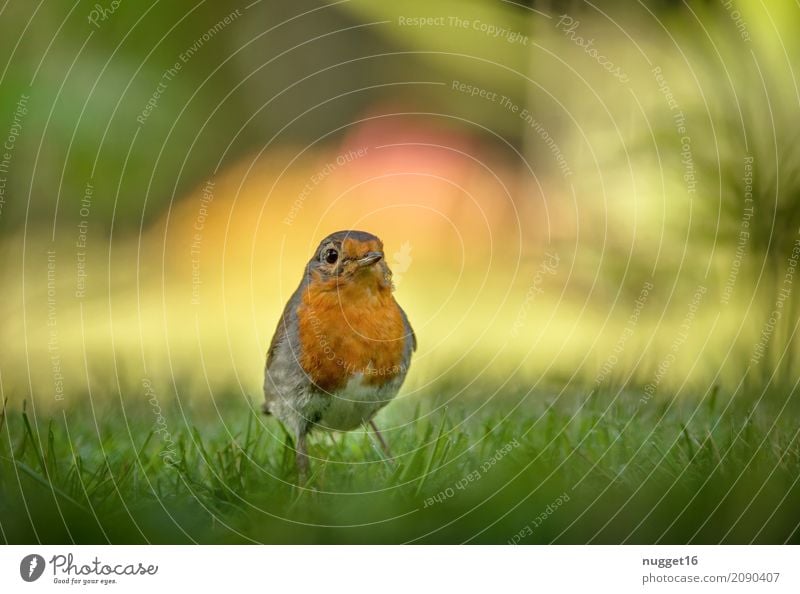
(343, 345)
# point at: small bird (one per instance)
(343, 345)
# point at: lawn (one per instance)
(521, 466)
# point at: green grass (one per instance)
(578, 468)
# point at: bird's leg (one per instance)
(302, 456)
(383, 443)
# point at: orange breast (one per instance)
(348, 330)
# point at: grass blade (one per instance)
(3, 413)
(29, 432)
(44, 482)
(429, 463)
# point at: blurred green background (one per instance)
(576, 198)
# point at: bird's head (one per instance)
(350, 258)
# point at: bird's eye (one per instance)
(330, 256)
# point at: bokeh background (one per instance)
(574, 196)
(475, 155)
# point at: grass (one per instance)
(588, 467)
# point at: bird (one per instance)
(343, 345)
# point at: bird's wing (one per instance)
(282, 330)
(277, 338)
(409, 329)
(275, 367)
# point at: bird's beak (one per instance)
(369, 259)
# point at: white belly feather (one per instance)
(357, 403)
